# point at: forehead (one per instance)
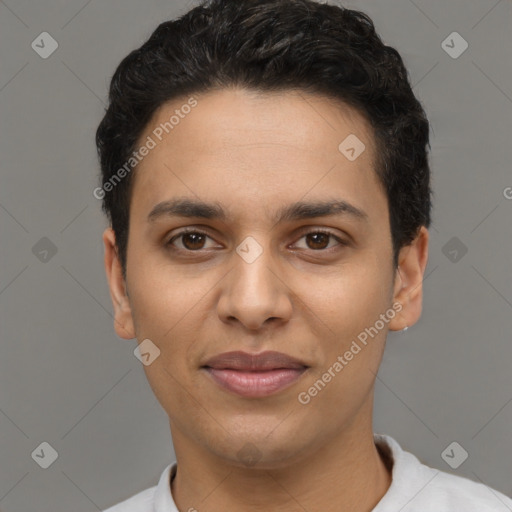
(257, 149)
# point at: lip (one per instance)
(244, 361)
(254, 375)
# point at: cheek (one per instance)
(166, 311)
(342, 314)
(349, 344)
(161, 299)
(350, 298)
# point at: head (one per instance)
(284, 136)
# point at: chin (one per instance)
(257, 450)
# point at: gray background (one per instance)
(65, 377)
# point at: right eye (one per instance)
(192, 240)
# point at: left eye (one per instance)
(319, 240)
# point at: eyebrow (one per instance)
(297, 211)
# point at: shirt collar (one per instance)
(163, 501)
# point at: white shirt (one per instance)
(415, 487)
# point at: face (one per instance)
(252, 270)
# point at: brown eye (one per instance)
(320, 240)
(193, 241)
(190, 241)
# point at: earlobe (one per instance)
(123, 320)
(408, 290)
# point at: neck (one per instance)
(345, 474)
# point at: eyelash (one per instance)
(170, 246)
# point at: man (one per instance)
(265, 173)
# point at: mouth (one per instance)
(255, 384)
(254, 375)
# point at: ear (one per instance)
(408, 289)
(123, 320)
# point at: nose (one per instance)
(255, 292)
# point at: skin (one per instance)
(255, 153)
